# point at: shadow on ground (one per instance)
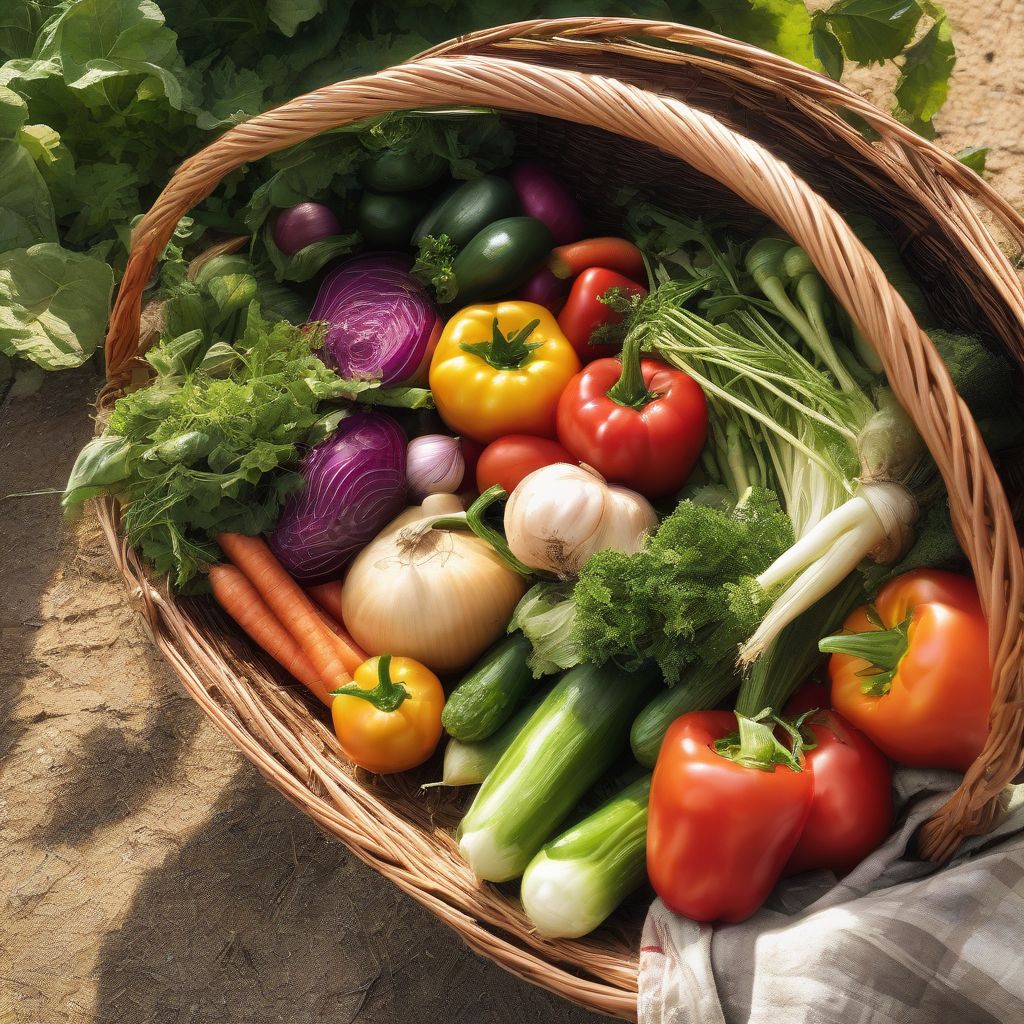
(259, 917)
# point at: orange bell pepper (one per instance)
(388, 718)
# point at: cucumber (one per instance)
(468, 210)
(490, 692)
(396, 170)
(385, 220)
(500, 258)
(468, 764)
(701, 689)
(571, 740)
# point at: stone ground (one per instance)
(148, 874)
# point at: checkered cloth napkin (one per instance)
(897, 941)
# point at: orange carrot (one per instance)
(240, 599)
(611, 253)
(351, 656)
(287, 601)
(328, 596)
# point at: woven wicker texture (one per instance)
(719, 123)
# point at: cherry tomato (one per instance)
(510, 458)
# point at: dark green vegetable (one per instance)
(402, 170)
(490, 692)
(386, 220)
(700, 689)
(500, 258)
(468, 210)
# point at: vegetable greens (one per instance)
(99, 98)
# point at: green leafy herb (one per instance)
(433, 266)
(672, 600)
(973, 157)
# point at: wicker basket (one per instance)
(704, 122)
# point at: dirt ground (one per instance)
(148, 875)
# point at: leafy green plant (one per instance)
(99, 99)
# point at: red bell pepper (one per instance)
(584, 312)
(914, 672)
(851, 812)
(639, 422)
(726, 812)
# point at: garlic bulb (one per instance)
(560, 515)
(439, 596)
(434, 465)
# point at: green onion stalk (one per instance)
(845, 465)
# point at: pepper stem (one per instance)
(755, 745)
(386, 696)
(630, 390)
(505, 352)
(883, 649)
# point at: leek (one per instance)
(575, 735)
(578, 879)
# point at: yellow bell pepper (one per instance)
(388, 719)
(500, 369)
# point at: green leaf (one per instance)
(231, 95)
(973, 157)
(781, 26)
(19, 23)
(288, 15)
(308, 262)
(53, 305)
(13, 112)
(924, 75)
(232, 292)
(26, 212)
(102, 465)
(871, 31)
(97, 41)
(827, 49)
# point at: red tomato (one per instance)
(851, 812)
(510, 458)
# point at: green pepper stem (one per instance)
(630, 390)
(474, 521)
(505, 352)
(755, 745)
(386, 696)
(883, 649)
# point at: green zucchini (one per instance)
(468, 764)
(578, 879)
(571, 740)
(490, 692)
(385, 220)
(701, 689)
(397, 170)
(468, 210)
(500, 258)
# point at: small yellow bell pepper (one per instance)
(500, 369)
(388, 719)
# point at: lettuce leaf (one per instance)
(53, 304)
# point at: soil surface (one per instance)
(148, 874)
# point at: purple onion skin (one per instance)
(543, 196)
(381, 322)
(302, 225)
(355, 485)
(546, 290)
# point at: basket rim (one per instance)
(973, 471)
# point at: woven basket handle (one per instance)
(980, 511)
